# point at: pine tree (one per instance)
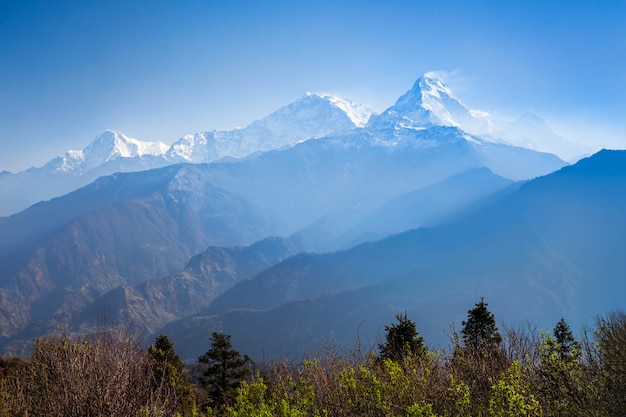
(562, 387)
(480, 361)
(402, 340)
(164, 355)
(567, 346)
(480, 328)
(225, 371)
(169, 373)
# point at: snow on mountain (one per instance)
(112, 144)
(533, 132)
(358, 113)
(428, 103)
(311, 116)
(107, 146)
(192, 148)
(431, 103)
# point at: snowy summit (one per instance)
(108, 146)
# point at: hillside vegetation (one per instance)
(483, 372)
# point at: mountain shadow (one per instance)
(551, 248)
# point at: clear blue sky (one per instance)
(157, 70)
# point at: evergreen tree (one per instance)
(170, 374)
(225, 371)
(480, 328)
(566, 345)
(165, 357)
(479, 361)
(561, 387)
(402, 339)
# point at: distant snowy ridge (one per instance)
(311, 116)
(106, 147)
(431, 103)
(428, 103)
(533, 132)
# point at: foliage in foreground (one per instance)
(518, 372)
(224, 371)
(109, 373)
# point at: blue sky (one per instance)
(157, 70)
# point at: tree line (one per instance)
(483, 372)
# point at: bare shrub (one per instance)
(106, 374)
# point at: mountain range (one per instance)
(297, 227)
(110, 152)
(429, 103)
(551, 248)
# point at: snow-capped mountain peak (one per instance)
(437, 98)
(432, 87)
(358, 113)
(192, 148)
(431, 103)
(311, 116)
(107, 146)
(111, 144)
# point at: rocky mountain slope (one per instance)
(553, 248)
